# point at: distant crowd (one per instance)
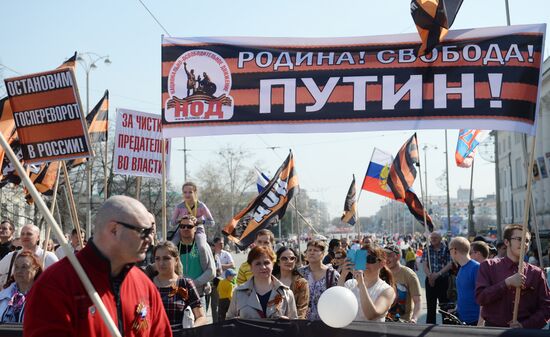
(152, 289)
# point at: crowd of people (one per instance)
(152, 288)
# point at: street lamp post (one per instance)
(89, 61)
(426, 148)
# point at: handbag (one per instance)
(188, 320)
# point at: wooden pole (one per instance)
(72, 205)
(303, 219)
(71, 217)
(52, 209)
(39, 202)
(164, 227)
(524, 230)
(138, 188)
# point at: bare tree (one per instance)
(225, 185)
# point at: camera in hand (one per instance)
(360, 258)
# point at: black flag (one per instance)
(350, 205)
(267, 208)
(433, 18)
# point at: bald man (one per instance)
(30, 237)
(58, 304)
(437, 277)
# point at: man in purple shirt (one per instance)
(496, 285)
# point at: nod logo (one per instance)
(198, 87)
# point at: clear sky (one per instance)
(38, 35)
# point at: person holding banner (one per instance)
(498, 279)
(58, 304)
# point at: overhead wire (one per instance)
(154, 17)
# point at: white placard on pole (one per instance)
(138, 144)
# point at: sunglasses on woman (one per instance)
(288, 258)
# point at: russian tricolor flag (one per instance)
(261, 181)
(376, 179)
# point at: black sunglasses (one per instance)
(371, 259)
(187, 226)
(143, 232)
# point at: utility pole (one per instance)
(447, 176)
(89, 61)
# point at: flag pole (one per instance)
(71, 217)
(60, 237)
(424, 212)
(359, 221)
(72, 205)
(138, 188)
(304, 219)
(524, 229)
(471, 229)
(52, 209)
(164, 189)
(105, 173)
(297, 227)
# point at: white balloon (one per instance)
(337, 307)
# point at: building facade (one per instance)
(513, 160)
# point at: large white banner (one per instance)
(138, 144)
(485, 78)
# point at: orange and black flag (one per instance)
(350, 205)
(7, 124)
(69, 63)
(401, 179)
(433, 18)
(417, 210)
(98, 126)
(403, 171)
(265, 209)
(98, 120)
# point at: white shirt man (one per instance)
(75, 244)
(226, 259)
(30, 236)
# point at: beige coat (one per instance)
(245, 303)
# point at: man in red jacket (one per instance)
(58, 304)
